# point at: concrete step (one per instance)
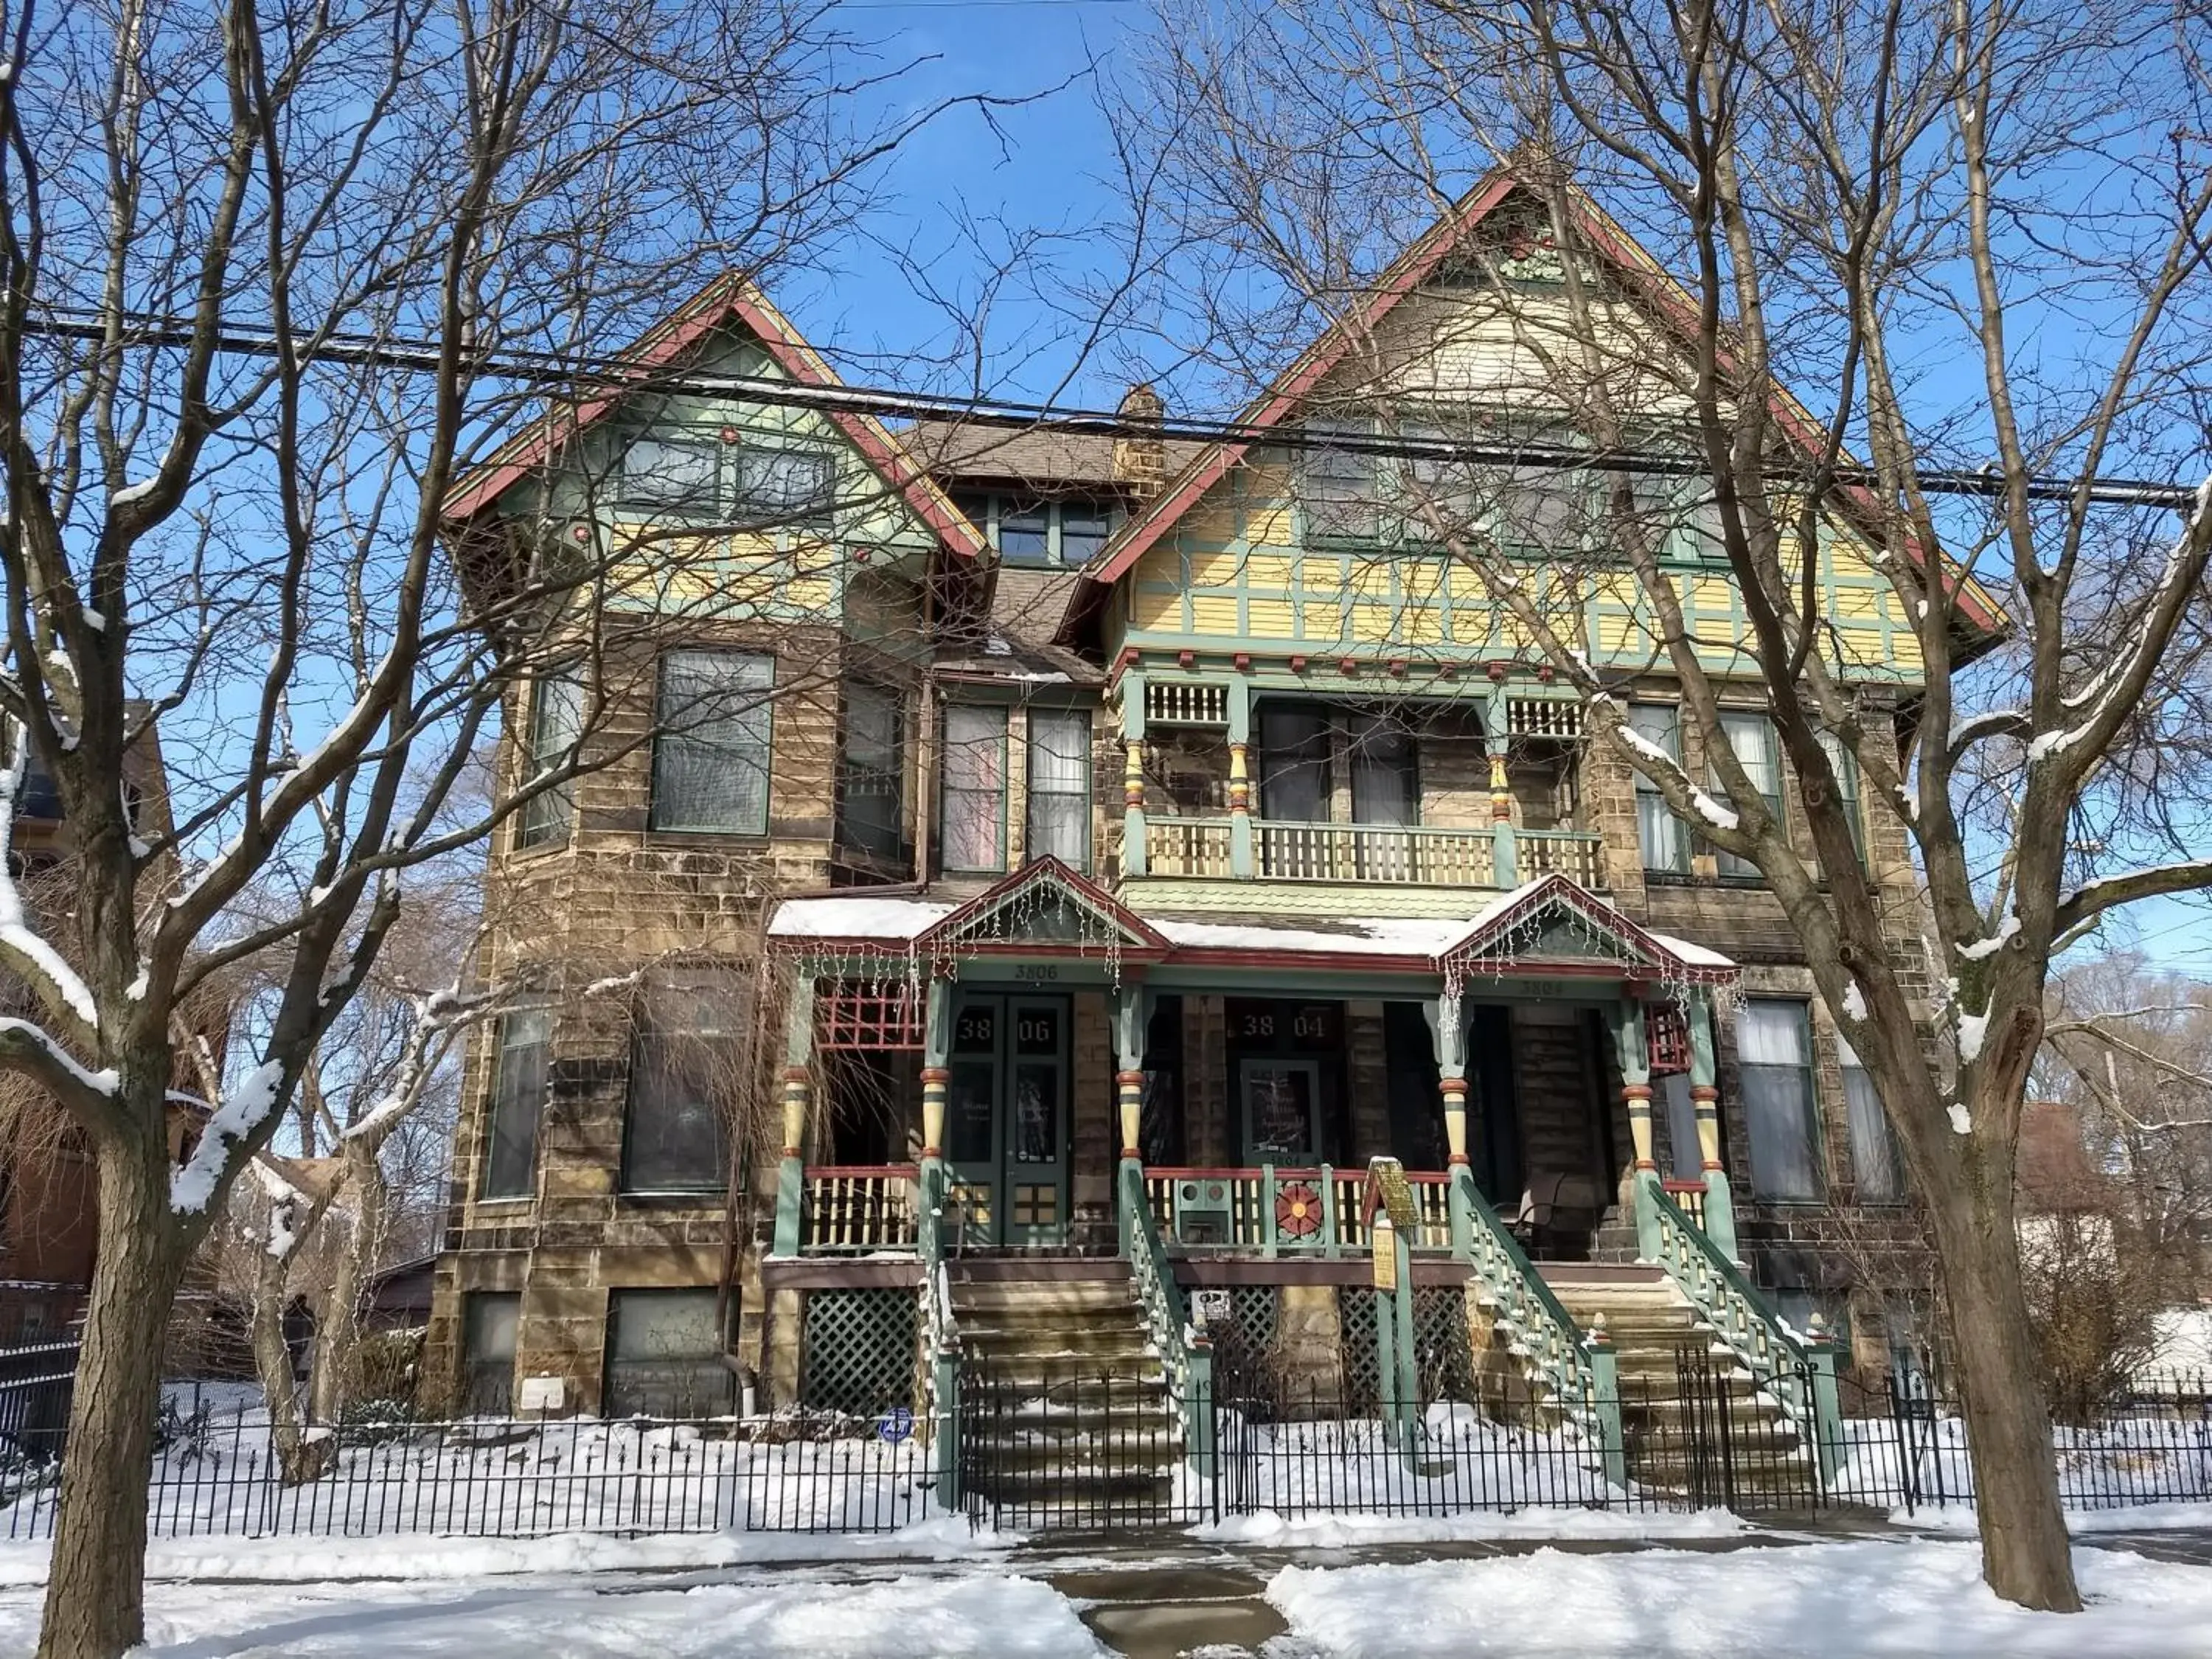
(1040, 1392)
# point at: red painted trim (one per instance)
(1050, 869)
(862, 1171)
(1556, 889)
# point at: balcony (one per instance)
(1362, 854)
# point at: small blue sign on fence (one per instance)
(896, 1425)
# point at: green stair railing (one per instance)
(1186, 1354)
(1799, 1376)
(940, 1339)
(1578, 1374)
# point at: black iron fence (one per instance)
(1083, 1447)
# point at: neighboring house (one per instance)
(48, 1183)
(1130, 802)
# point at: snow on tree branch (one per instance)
(248, 1106)
(56, 981)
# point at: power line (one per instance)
(592, 376)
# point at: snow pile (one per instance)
(2110, 1466)
(984, 1617)
(1844, 1600)
(1271, 1530)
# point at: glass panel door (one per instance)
(971, 1119)
(1005, 1129)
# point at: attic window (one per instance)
(782, 486)
(672, 473)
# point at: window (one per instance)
(871, 776)
(975, 773)
(518, 1096)
(1877, 1171)
(1661, 833)
(1845, 765)
(1774, 1054)
(1385, 779)
(489, 1319)
(710, 761)
(783, 486)
(557, 723)
(664, 1355)
(1337, 487)
(36, 794)
(1752, 739)
(1282, 1110)
(683, 1067)
(1026, 532)
(1431, 482)
(1083, 531)
(683, 474)
(1538, 509)
(1059, 786)
(1294, 783)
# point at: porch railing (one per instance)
(1274, 1210)
(1187, 847)
(1800, 1376)
(1186, 1354)
(860, 1206)
(939, 1360)
(1689, 1198)
(1390, 853)
(1577, 855)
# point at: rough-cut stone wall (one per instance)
(1095, 1141)
(1367, 1075)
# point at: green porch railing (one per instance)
(1799, 1376)
(1186, 1355)
(1276, 1210)
(940, 1339)
(1579, 1373)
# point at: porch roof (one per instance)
(1514, 930)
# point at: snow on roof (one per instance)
(856, 918)
(1697, 956)
(1389, 936)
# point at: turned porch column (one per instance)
(1635, 1056)
(1240, 779)
(1132, 773)
(797, 1057)
(1505, 856)
(1705, 1097)
(1447, 1031)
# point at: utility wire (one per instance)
(590, 376)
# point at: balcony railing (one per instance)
(1577, 855)
(859, 1207)
(1187, 847)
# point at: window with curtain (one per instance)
(1752, 738)
(871, 771)
(1845, 766)
(1337, 487)
(1540, 509)
(518, 1096)
(710, 761)
(1774, 1060)
(664, 1356)
(489, 1321)
(1385, 781)
(973, 770)
(1663, 837)
(683, 1069)
(1059, 786)
(557, 723)
(1294, 781)
(783, 486)
(674, 474)
(1877, 1171)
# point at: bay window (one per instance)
(1774, 1057)
(973, 770)
(1059, 786)
(710, 760)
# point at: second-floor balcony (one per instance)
(1391, 854)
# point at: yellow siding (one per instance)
(1212, 616)
(1273, 619)
(1155, 613)
(1270, 570)
(1219, 568)
(1268, 526)
(1320, 573)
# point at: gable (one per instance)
(1554, 923)
(1044, 908)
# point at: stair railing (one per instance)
(1186, 1352)
(940, 1339)
(1579, 1373)
(1799, 1376)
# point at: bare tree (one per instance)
(270, 283)
(1940, 224)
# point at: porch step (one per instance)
(1065, 1415)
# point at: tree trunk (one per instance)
(337, 1335)
(2025, 1557)
(95, 1605)
(299, 1460)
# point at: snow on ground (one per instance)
(2136, 1517)
(1864, 1600)
(1272, 1531)
(945, 1537)
(976, 1617)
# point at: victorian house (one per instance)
(1094, 855)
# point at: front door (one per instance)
(1006, 1118)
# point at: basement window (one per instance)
(664, 1355)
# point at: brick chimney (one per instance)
(1141, 460)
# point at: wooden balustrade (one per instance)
(1290, 1210)
(1689, 1198)
(1577, 855)
(1398, 854)
(1187, 847)
(860, 1206)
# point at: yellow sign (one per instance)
(1385, 1237)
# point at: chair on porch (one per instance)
(1556, 1209)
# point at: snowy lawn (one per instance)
(1840, 1601)
(954, 1618)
